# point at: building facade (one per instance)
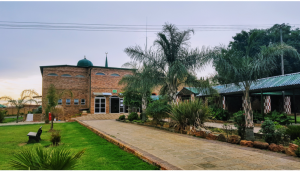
(94, 88)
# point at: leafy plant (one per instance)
(219, 113)
(227, 128)
(272, 132)
(257, 116)
(122, 117)
(39, 158)
(55, 138)
(133, 116)
(297, 142)
(293, 131)
(239, 122)
(281, 118)
(158, 110)
(2, 115)
(189, 113)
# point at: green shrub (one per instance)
(55, 137)
(219, 113)
(2, 115)
(239, 122)
(273, 132)
(257, 116)
(281, 118)
(297, 142)
(293, 131)
(133, 116)
(122, 117)
(189, 113)
(39, 158)
(158, 110)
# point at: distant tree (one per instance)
(245, 67)
(26, 98)
(170, 63)
(271, 36)
(53, 96)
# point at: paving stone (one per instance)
(188, 152)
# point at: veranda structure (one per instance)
(280, 93)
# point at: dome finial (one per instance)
(84, 57)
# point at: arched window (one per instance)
(100, 73)
(52, 74)
(115, 75)
(66, 75)
(79, 76)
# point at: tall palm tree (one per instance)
(170, 62)
(244, 69)
(26, 97)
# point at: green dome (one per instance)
(84, 63)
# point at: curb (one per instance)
(147, 157)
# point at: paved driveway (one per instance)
(187, 152)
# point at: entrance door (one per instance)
(100, 105)
(114, 104)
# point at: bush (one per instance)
(239, 122)
(257, 116)
(189, 113)
(39, 158)
(133, 116)
(158, 110)
(219, 113)
(2, 115)
(297, 142)
(55, 137)
(293, 131)
(273, 132)
(281, 118)
(122, 117)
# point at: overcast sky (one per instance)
(23, 51)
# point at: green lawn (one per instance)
(99, 154)
(7, 120)
(293, 119)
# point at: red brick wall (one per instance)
(80, 87)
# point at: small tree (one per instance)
(158, 110)
(53, 98)
(26, 97)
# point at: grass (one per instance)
(100, 154)
(293, 119)
(7, 120)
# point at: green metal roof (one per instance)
(2, 106)
(270, 83)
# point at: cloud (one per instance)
(13, 87)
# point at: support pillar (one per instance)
(223, 103)
(287, 104)
(262, 105)
(294, 106)
(267, 104)
(192, 97)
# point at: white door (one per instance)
(100, 105)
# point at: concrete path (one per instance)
(27, 123)
(220, 125)
(188, 152)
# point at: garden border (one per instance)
(145, 156)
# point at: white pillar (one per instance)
(287, 104)
(267, 104)
(223, 102)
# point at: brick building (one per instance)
(94, 88)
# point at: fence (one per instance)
(13, 110)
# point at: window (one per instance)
(82, 101)
(79, 76)
(59, 101)
(76, 101)
(52, 74)
(68, 101)
(66, 75)
(100, 73)
(115, 75)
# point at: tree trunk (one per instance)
(144, 102)
(18, 111)
(248, 116)
(52, 118)
(172, 93)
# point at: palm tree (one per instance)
(53, 98)
(26, 97)
(170, 63)
(244, 69)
